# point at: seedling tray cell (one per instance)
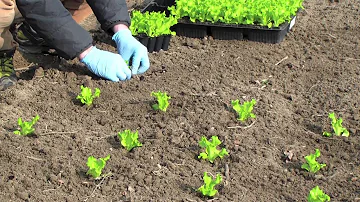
(155, 44)
(226, 33)
(191, 30)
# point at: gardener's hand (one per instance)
(105, 64)
(131, 49)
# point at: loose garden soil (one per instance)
(320, 74)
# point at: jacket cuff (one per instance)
(83, 49)
(108, 26)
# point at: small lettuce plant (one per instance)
(152, 24)
(26, 128)
(211, 152)
(86, 96)
(208, 189)
(312, 165)
(244, 111)
(129, 139)
(128, 63)
(162, 101)
(317, 195)
(337, 127)
(96, 166)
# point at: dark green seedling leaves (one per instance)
(211, 152)
(96, 166)
(26, 128)
(162, 101)
(129, 139)
(86, 96)
(208, 189)
(317, 195)
(312, 165)
(128, 64)
(244, 111)
(337, 127)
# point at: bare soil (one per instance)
(319, 75)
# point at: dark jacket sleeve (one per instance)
(54, 23)
(110, 13)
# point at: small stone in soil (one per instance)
(39, 73)
(84, 77)
(71, 76)
(23, 195)
(159, 134)
(88, 83)
(162, 125)
(176, 140)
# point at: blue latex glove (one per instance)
(130, 48)
(107, 65)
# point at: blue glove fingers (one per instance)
(122, 39)
(131, 49)
(112, 77)
(145, 64)
(126, 72)
(108, 65)
(135, 63)
(140, 62)
(120, 76)
(125, 55)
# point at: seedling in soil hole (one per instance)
(337, 126)
(245, 110)
(208, 188)
(317, 195)
(129, 139)
(211, 152)
(312, 165)
(162, 101)
(96, 166)
(26, 128)
(86, 96)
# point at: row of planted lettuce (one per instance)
(211, 152)
(269, 14)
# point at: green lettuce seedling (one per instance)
(129, 139)
(128, 64)
(162, 101)
(26, 128)
(86, 96)
(327, 134)
(245, 110)
(211, 152)
(208, 188)
(152, 24)
(96, 166)
(317, 195)
(312, 165)
(337, 126)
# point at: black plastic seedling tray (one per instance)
(155, 43)
(220, 30)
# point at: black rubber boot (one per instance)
(29, 41)
(7, 72)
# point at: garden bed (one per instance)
(296, 83)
